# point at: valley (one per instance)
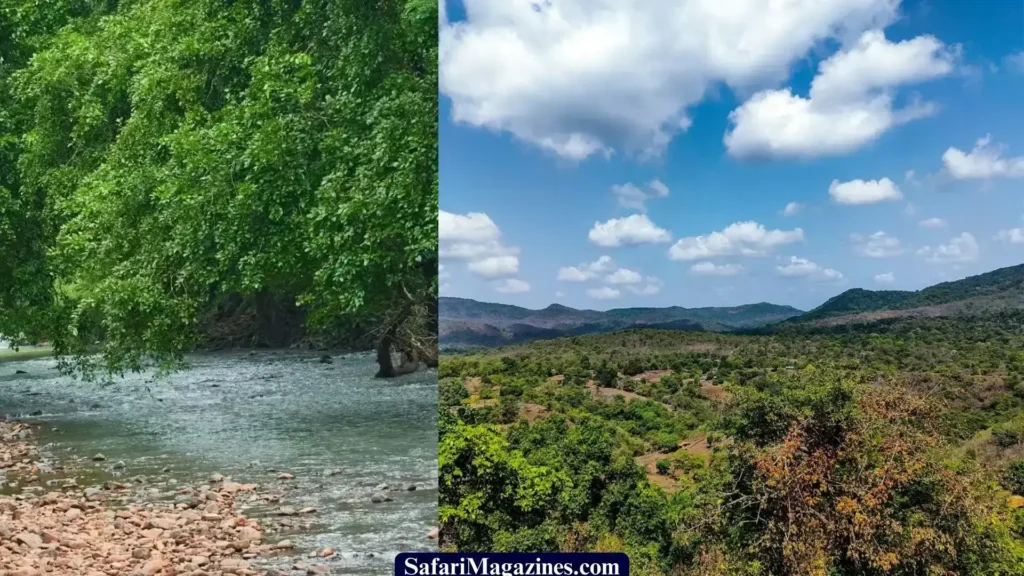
(882, 432)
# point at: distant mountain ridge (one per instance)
(470, 322)
(999, 289)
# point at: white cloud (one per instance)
(495, 266)
(857, 192)
(1015, 61)
(584, 77)
(585, 272)
(804, 268)
(649, 290)
(445, 288)
(792, 209)
(511, 286)
(1013, 235)
(712, 269)
(877, 245)
(603, 293)
(887, 278)
(628, 231)
(632, 196)
(442, 273)
(910, 177)
(850, 103)
(475, 239)
(962, 248)
(932, 223)
(653, 286)
(472, 227)
(624, 276)
(982, 162)
(559, 294)
(738, 239)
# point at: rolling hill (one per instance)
(465, 322)
(1000, 289)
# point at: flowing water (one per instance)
(251, 417)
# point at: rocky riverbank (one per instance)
(57, 527)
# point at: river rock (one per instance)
(380, 497)
(326, 359)
(233, 565)
(119, 465)
(99, 458)
(380, 487)
(29, 539)
(432, 535)
(216, 478)
(152, 567)
(285, 476)
(141, 553)
(284, 545)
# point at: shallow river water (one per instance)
(251, 417)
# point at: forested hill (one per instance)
(996, 290)
(174, 172)
(469, 322)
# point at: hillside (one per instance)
(469, 322)
(996, 290)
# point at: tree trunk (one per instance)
(386, 364)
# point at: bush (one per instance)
(1013, 476)
(663, 466)
(450, 392)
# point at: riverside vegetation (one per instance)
(183, 175)
(176, 174)
(888, 446)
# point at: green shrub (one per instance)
(663, 466)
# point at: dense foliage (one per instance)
(886, 448)
(165, 163)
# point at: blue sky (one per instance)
(896, 130)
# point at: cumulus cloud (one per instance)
(877, 245)
(624, 276)
(983, 162)
(628, 231)
(932, 223)
(475, 239)
(857, 192)
(603, 293)
(792, 209)
(712, 269)
(584, 272)
(962, 248)
(738, 239)
(586, 77)
(494, 266)
(472, 227)
(512, 286)
(887, 278)
(1012, 236)
(1015, 62)
(652, 287)
(804, 268)
(850, 103)
(632, 196)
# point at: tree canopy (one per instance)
(158, 157)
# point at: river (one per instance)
(251, 417)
